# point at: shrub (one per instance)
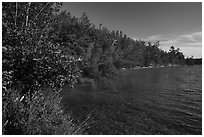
(40, 115)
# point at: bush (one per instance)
(31, 60)
(40, 115)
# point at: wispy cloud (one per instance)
(195, 36)
(187, 42)
(182, 40)
(154, 38)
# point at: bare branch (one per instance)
(27, 12)
(16, 13)
(49, 22)
(40, 12)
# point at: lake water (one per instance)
(148, 101)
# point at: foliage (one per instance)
(29, 56)
(193, 61)
(41, 115)
(31, 62)
(175, 56)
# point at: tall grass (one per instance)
(39, 115)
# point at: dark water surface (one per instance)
(148, 101)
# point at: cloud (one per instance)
(196, 36)
(186, 41)
(169, 42)
(192, 51)
(154, 38)
(183, 40)
(135, 38)
(192, 39)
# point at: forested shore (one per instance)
(45, 49)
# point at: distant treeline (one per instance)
(193, 61)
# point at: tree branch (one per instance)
(40, 12)
(27, 12)
(16, 13)
(49, 22)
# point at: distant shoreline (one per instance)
(149, 67)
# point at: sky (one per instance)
(172, 23)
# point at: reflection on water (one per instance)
(150, 101)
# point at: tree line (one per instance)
(43, 45)
(193, 61)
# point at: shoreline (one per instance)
(150, 67)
